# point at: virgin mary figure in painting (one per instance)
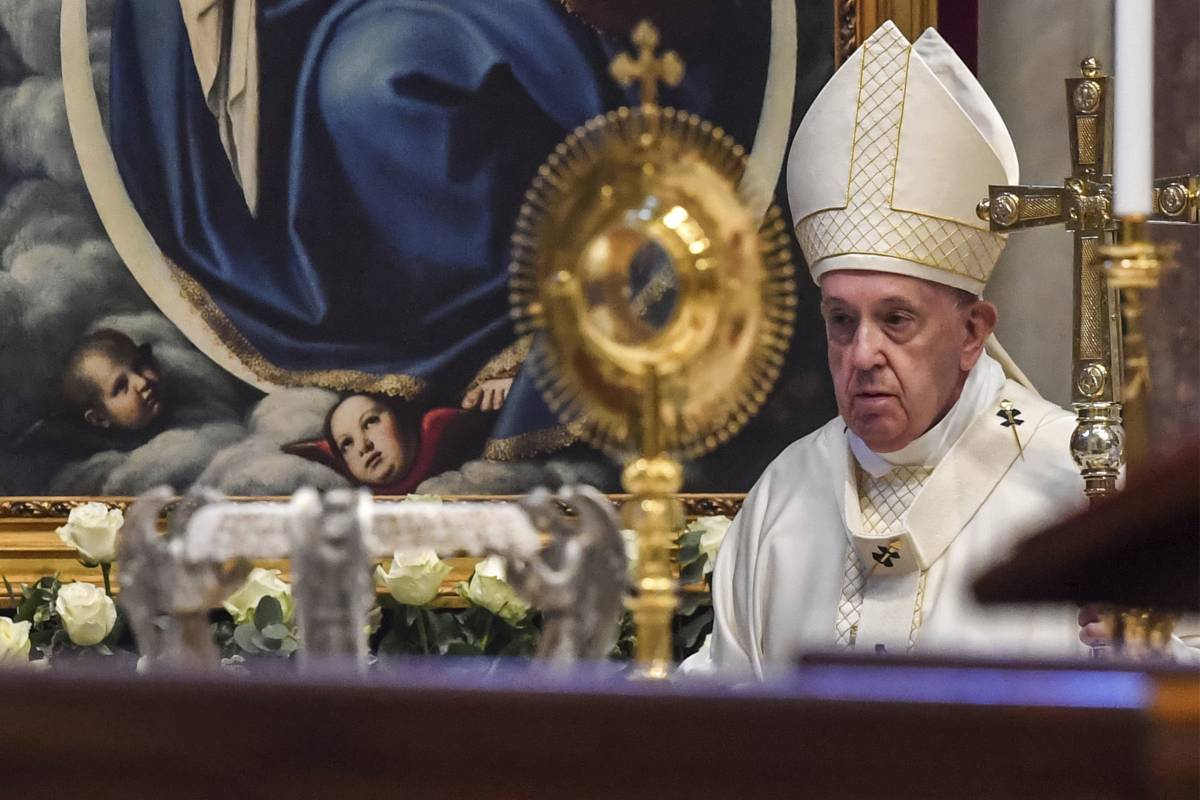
(334, 182)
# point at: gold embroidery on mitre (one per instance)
(869, 225)
(342, 380)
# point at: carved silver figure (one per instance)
(167, 594)
(331, 569)
(579, 581)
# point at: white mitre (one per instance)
(890, 162)
(892, 158)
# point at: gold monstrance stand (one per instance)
(661, 309)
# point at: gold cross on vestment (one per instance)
(1083, 204)
(647, 68)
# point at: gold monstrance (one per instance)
(662, 310)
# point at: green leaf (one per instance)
(690, 632)
(688, 553)
(246, 636)
(690, 602)
(268, 612)
(693, 572)
(463, 649)
(277, 631)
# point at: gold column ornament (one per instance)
(661, 310)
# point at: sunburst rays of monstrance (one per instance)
(661, 308)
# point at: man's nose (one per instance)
(866, 350)
(137, 381)
(367, 445)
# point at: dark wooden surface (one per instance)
(826, 731)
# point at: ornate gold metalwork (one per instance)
(661, 307)
(1142, 634)
(1111, 367)
(651, 178)
(1083, 205)
(647, 68)
(1177, 199)
(21, 515)
(1129, 268)
(855, 20)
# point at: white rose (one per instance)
(489, 590)
(92, 530)
(714, 529)
(259, 584)
(14, 642)
(87, 612)
(414, 577)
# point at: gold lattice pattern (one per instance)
(869, 224)
(854, 580)
(918, 611)
(884, 500)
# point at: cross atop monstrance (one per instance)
(647, 68)
(1084, 205)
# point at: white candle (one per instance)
(1133, 142)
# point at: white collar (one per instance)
(984, 382)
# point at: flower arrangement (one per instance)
(483, 616)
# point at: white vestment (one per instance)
(783, 573)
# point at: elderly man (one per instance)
(865, 535)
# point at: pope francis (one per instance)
(866, 534)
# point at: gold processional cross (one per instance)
(1083, 204)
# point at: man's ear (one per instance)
(980, 320)
(95, 418)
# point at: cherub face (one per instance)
(128, 392)
(368, 437)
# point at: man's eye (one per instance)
(344, 445)
(120, 386)
(897, 319)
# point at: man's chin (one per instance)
(878, 435)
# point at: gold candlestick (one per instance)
(1129, 268)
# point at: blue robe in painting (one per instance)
(397, 140)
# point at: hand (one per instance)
(1095, 626)
(489, 395)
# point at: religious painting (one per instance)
(256, 245)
